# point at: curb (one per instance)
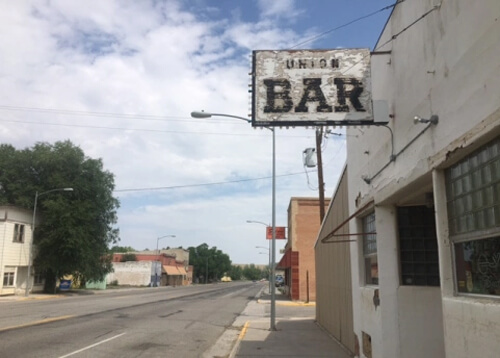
(236, 345)
(288, 303)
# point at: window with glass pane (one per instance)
(38, 280)
(478, 266)
(473, 191)
(8, 279)
(418, 246)
(18, 233)
(370, 249)
(473, 198)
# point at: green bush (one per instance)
(129, 257)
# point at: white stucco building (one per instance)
(134, 273)
(15, 241)
(425, 197)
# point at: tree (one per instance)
(121, 249)
(76, 227)
(208, 263)
(251, 272)
(128, 257)
(236, 273)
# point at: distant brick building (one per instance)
(298, 261)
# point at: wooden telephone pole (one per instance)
(321, 184)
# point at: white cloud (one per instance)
(155, 58)
(279, 9)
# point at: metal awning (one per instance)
(182, 270)
(171, 270)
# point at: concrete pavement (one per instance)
(296, 335)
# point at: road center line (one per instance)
(92, 345)
(35, 323)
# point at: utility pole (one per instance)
(321, 184)
(206, 273)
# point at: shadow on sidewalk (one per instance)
(299, 337)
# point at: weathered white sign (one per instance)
(311, 87)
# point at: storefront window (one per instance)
(473, 195)
(478, 266)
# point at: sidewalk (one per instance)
(296, 335)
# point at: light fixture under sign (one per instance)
(433, 120)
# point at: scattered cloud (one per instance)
(119, 78)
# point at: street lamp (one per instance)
(266, 225)
(157, 256)
(158, 240)
(37, 195)
(273, 240)
(206, 271)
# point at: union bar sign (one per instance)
(311, 88)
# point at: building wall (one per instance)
(14, 256)
(333, 271)
(180, 254)
(133, 273)
(303, 227)
(164, 259)
(444, 64)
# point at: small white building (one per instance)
(15, 241)
(424, 191)
(134, 273)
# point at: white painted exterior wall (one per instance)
(133, 273)
(446, 64)
(14, 256)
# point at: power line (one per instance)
(145, 117)
(93, 113)
(146, 130)
(395, 36)
(311, 39)
(201, 184)
(130, 129)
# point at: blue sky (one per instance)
(120, 78)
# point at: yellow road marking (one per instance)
(289, 303)
(244, 330)
(43, 321)
(47, 297)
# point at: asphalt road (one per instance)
(152, 322)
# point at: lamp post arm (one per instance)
(202, 114)
(231, 116)
(52, 190)
(257, 222)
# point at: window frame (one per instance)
(472, 163)
(38, 279)
(419, 251)
(369, 233)
(19, 233)
(9, 275)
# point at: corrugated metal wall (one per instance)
(333, 273)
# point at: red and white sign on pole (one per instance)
(280, 233)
